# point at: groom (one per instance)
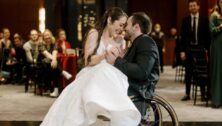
(141, 63)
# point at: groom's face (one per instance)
(129, 28)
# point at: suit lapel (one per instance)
(127, 55)
(130, 53)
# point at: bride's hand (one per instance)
(118, 51)
(115, 51)
(110, 57)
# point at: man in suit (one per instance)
(141, 63)
(194, 35)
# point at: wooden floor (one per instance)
(18, 108)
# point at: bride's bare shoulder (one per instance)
(92, 31)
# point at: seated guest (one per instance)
(6, 52)
(51, 67)
(33, 48)
(62, 43)
(20, 58)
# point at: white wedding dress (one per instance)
(97, 90)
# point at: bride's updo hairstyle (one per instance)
(115, 13)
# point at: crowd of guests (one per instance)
(199, 36)
(197, 32)
(35, 60)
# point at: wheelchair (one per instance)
(158, 112)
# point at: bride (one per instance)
(99, 90)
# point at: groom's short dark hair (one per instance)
(143, 20)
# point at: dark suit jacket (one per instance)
(203, 33)
(141, 66)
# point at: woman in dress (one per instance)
(99, 90)
(62, 43)
(215, 55)
(51, 69)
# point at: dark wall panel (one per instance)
(72, 18)
(160, 11)
(63, 14)
(106, 4)
(53, 14)
(19, 15)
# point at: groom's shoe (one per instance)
(185, 98)
(144, 122)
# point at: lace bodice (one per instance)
(102, 48)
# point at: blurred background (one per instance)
(75, 15)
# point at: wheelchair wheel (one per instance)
(167, 113)
(152, 110)
(158, 112)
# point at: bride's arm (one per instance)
(95, 59)
(90, 45)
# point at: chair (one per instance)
(31, 74)
(200, 74)
(180, 73)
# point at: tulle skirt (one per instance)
(97, 90)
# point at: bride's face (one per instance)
(116, 28)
